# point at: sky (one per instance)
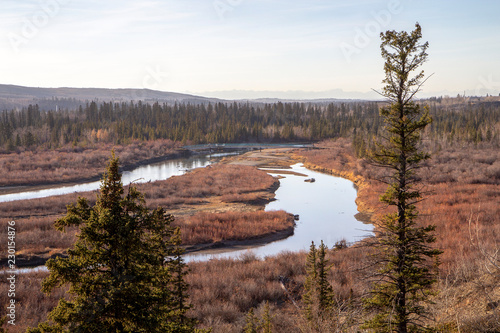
(245, 48)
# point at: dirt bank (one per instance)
(279, 158)
(239, 203)
(237, 245)
(223, 189)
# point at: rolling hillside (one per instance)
(12, 96)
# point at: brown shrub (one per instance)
(457, 182)
(212, 227)
(34, 218)
(55, 166)
(32, 306)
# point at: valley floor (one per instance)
(462, 195)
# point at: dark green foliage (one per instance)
(308, 298)
(318, 298)
(455, 120)
(212, 123)
(325, 290)
(405, 258)
(125, 271)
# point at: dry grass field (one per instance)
(461, 186)
(203, 201)
(462, 191)
(70, 164)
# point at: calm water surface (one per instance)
(152, 172)
(326, 210)
(326, 207)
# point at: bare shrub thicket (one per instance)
(222, 180)
(42, 166)
(222, 291)
(457, 180)
(214, 227)
(32, 305)
(34, 218)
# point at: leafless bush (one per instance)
(55, 166)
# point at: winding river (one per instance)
(326, 207)
(151, 172)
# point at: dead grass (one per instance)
(457, 182)
(215, 227)
(56, 166)
(194, 194)
(222, 291)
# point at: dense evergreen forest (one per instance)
(455, 120)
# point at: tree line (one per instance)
(126, 272)
(124, 122)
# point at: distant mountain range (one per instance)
(332, 94)
(13, 97)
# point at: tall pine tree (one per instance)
(125, 273)
(404, 251)
(309, 297)
(318, 297)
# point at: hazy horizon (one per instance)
(237, 49)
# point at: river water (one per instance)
(151, 172)
(326, 207)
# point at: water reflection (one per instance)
(152, 172)
(326, 209)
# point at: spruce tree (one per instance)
(125, 273)
(251, 322)
(325, 290)
(318, 297)
(255, 325)
(403, 246)
(309, 296)
(266, 322)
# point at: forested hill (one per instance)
(455, 121)
(17, 97)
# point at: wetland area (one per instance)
(323, 210)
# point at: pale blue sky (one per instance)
(229, 48)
